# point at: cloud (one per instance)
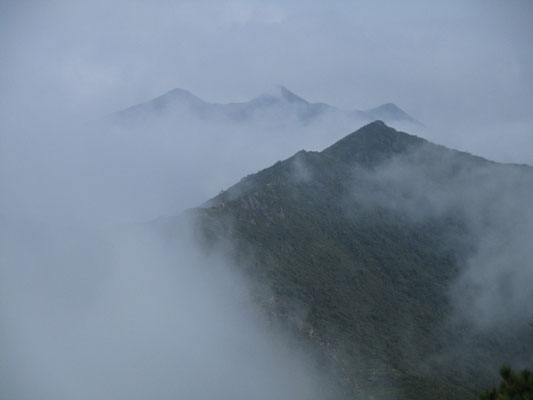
(120, 315)
(490, 201)
(443, 63)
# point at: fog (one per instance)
(92, 305)
(461, 69)
(122, 316)
(456, 66)
(484, 212)
(95, 305)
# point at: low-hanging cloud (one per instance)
(493, 204)
(121, 315)
(462, 69)
(94, 305)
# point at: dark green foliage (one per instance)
(365, 284)
(515, 386)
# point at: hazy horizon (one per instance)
(462, 68)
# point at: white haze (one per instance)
(493, 201)
(116, 174)
(92, 306)
(91, 311)
(88, 315)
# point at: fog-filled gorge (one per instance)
(107, 289)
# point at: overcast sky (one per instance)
(462, 68)
(438, 60)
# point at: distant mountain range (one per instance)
(278, 103)
(370, 237)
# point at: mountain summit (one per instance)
(390, 112)
(279, 103)
(174, 100)
(378, 238)
(281, 93)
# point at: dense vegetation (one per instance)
(515, 386)
(352, 271)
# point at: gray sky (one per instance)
(438, 60)
(462, 68)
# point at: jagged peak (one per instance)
(281, 93)
(386, 106)
(180, 93)
(176, 95)
(390, 112)
(370, 140)
(377, 123)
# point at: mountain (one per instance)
(278, 103)
(377, 251)
(172, 101)
(390, 112)
(282, 103)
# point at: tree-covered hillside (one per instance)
(371, 251)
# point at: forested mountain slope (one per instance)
(372, 250)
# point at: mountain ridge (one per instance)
(385, 142)
(331, 231)
(275, 100)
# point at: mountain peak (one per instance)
(178, 92)
(176, 95)
(388, 107)
(372, 143)
(289, 96)
(390, 112)
(281, 94)
(278, 99)
(377, 124)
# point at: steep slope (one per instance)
(174, 100)
(362, 258)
